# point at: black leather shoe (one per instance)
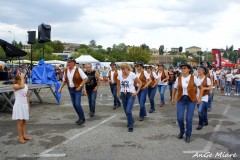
(205, 124)
(199, 127)
(91, 114)
(82, 121)
(180, 136)
(115, 107)
(187, 140)
(130, 129)
(77, 121)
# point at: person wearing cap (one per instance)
(112, 79)
(142, 95)
(91, 87)
(152, 88)
(172, 78)
(162, 82)
(203, 106)
(186, 87)
(75, 79)
(127, 92)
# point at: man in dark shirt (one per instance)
(92, 87)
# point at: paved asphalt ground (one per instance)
(105, 136)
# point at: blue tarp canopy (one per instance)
(45, 74)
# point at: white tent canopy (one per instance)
(86, 59)
(55, 62)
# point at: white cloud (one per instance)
(174, 23)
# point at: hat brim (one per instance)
(186, 65)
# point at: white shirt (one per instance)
(127, 84)
(185, 82)
(112, 76)
(147, 76)
(237, 76)
(71, 74)
(214, 78)
(204, 98)
(229, 77)
(160, 80)
(154, 75)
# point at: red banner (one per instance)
(217, 57)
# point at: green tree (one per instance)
(161, 49)
(180, 59)
(138, 54)
(92, 44)
(145, 47)
(2, 53)
(56, 45)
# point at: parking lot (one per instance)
(105, 136)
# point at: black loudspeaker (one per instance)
(31, 37)
(44, 33)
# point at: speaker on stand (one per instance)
(44, 34)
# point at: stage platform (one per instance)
(6, 91)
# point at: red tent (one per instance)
(225, 63)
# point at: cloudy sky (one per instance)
(204, 23)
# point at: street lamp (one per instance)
(14, 37)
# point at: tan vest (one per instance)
(143, 79)
(192, 89)
(163, 76)
(115, 75)
(152, 78)
(77, 80)
(204, 84)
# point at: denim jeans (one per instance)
(113, 87)
(237, 84)
(210, 99)
(76, 101)
(228, 87)
(92, 95)
(161, 89)
(202, 112)
(142, 96)
(128, 101)
(151, 95)
(170, 86)
(185, 103)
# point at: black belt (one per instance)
(72, 87)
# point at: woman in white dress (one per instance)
(21, 107)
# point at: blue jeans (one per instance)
(151, 95)
(92, 95)
(237, 84)
(142, 97)
(128, 101)
(228, 87)
(185, 103)
(210, 99)
(161, 89)
(76, 101)
(202, 113)
(113, 87)
(170, 86)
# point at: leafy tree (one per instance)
(145, 47)
(200, 53)
(179, 59)
(138, 54)
(161, 49)
(56, 45)
(225, 55)
(92, 44)
(2, 53)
